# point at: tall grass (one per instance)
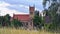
(21, 31)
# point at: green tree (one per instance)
(52, 9)
(38, 21)
(7, 20)
(1, 20)
(16, 23)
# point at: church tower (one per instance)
(31, 12)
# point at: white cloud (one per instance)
(3, 4)
(27, 7)
(38, 9)
(4, 10)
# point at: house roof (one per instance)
(21, 17)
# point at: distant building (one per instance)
(26, 19)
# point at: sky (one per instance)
(19, 6)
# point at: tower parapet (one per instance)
(31, 11)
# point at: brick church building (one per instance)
(26, 19)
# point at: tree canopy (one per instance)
(52, 13)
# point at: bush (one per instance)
(16, 23)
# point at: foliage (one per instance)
(50, 2)
(51, 11)
(37, 21)
(1, 20)
(16, 23)
(7, 20)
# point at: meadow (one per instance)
(21, 31)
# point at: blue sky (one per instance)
(19, 6)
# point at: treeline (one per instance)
(50, 21)
(51, 18)
(5, 21)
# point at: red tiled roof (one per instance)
(21, 17)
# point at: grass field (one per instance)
(20, 31)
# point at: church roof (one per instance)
(21, 17)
